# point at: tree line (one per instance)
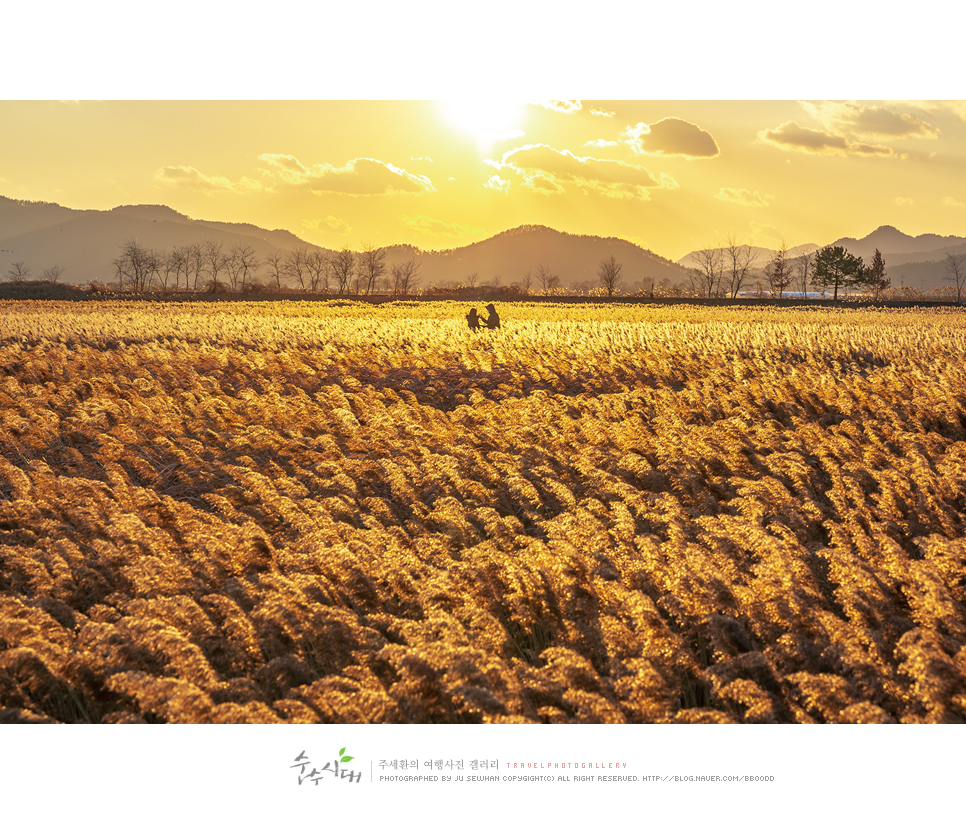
(210, 266)
(726, 270)
(720, 272)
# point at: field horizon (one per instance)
(337, 512)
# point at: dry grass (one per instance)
(301, 512)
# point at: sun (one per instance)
(485, 120)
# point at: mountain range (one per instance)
(84, 244)
(915, 261)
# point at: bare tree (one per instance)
(168, 265)
(297, 265)
(497, 279)
(955, 265)
(473, 279)
(53, 273)
(405, 278)
(180, 262)
(214, 261)
(240, 263)
(609, 275)
(706, 277)
(248, 263)
(232, 267)
(318, 267)
(343, 266)
(548, 280)
(778, 271)
(738, 261)
(527, 282)
(276, 266)
(804, 270)
(136, 265)
(372, 265)
(694, 284)
(19, 272)
(196, 259)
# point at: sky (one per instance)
(379, 155)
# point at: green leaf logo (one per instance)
(343, 757)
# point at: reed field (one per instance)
(344, 513)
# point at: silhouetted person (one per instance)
(493, 319)
(473, 319)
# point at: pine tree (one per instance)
(779, 271)
(875, 275)
(834, 267)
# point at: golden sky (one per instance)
(670, 176)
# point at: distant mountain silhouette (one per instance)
(915, 261)
(889, 240)
(573, 258)
(18, 217)
(85, 242)
(760, 256)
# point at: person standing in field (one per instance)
(473, 319)
(493, 319)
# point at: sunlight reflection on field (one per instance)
(346, 513)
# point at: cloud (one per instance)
(869, 121)
(949, 201)
(358, 177)
(508, 135)
(544, 169)
(541, 183)
(572, 107)
(330, 223)
(904, 201)
(367, 177)
(190, 177)
(288, 167)
(668, 182)
(420, 158)
(671, 137)
(437, 227)
(559, 106)
(792, 136)
(600, 142)
(743, 197)
(496, 183)
(956, 108)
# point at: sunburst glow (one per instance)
(486, 120)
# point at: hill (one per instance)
(85, 242)
(916, 261)
(509, 255)
(895, 243)
(760, 256)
